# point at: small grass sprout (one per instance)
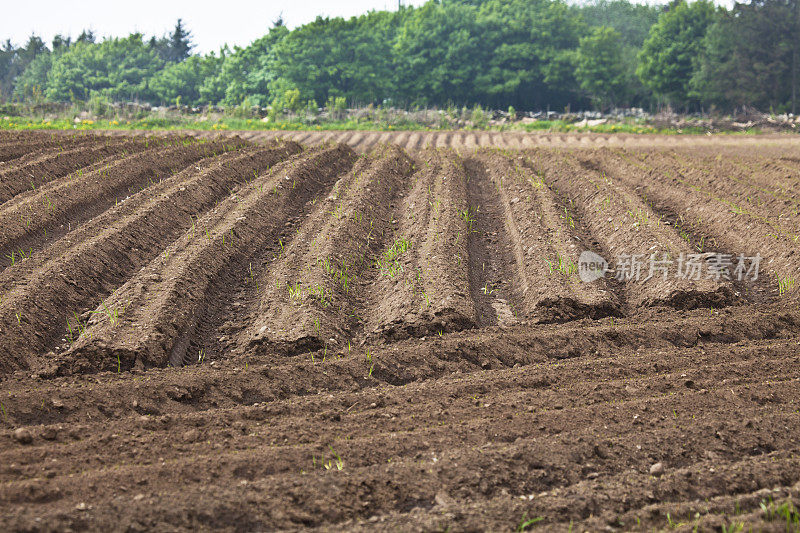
(562, 265)
(526, 522)
(469, 215)
(785, 284)
(295, 291)
(389, 263)
(335, 462)
(785, 512)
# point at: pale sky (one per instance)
(212, 23)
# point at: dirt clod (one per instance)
(657, 469)
(23, 435)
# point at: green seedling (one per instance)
(338, 463)
(295, 291)
(562, 265)
(672, 523)
(785, 512)
(252, 277)
(111, 314)
(526, 522)
(469, 215)
(640, 217)
(568, 218)
(319, 292)
(427, 300)
(77, 331)
(785, 284)
(335, 462)
(734, 527)
(389, 263)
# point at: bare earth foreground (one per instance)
(330, 332)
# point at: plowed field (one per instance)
(389, 331)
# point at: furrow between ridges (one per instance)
(152, 319)
(44, 297)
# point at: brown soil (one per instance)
(235, 335)
(28, 142)
(42, 166)
(422, 286)
(782, 148)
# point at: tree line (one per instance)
(525, 54)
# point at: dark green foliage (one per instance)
(14, 61)
(530, 54)
(601, 68)
(525, 54)
(86, 36)
(750, 57)
(337, 57)
(669, 56)
(119, 69)
(632, 21)
(183, 82)
(30, 85)
(175, 47)
(248, 72)
(439, 55)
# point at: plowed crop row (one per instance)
(42, 166)
(782, 147)
(25, 143)
(221, 334)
